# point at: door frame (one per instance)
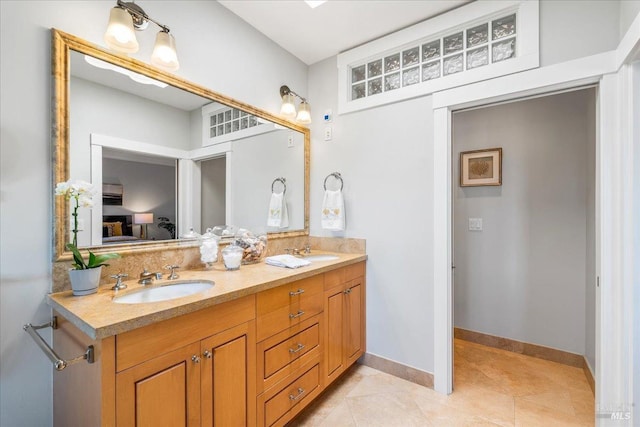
(612, 342)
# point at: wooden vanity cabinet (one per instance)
(256, 360)
(344, 315)
(209, 381)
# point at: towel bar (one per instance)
(337, 176)
(58, 363)
(283, 181)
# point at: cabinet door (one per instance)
(334, 335)
(354, 321)
(164, 391)
(228, 377)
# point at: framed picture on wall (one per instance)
(481, 167)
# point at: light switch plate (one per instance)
(475, 224)
(328, 133)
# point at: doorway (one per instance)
(524, 251)
(213, 192)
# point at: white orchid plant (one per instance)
(81, 192)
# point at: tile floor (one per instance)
(492, 387)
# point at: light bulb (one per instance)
(164, 52)
(304, 113)
(120, 35)
(288, 108)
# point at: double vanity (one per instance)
(253, 349)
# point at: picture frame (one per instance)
(481, 167)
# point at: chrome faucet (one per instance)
(295, 251)
(147, 277)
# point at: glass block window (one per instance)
(458, 51)
(230, 120)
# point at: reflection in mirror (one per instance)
(165, 160)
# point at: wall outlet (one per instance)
(290, 141)
(475, 224)
(328, 133)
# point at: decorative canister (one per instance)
(232, 256)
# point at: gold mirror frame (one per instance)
(62, 43)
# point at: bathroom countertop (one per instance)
(99, 317)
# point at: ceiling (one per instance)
(335, 26)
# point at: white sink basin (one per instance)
(320, 257)
(165, 292)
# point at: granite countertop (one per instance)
(99, 317)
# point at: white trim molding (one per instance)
(527, 51)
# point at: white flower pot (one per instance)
(85, 282)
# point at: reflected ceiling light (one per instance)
(126, 17)
(139, 78)
(314, 3)
(288, 109)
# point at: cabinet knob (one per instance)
(347, 291)
(195, 358)
(207, 354)
(298, 396)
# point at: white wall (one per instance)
(256, 162)
(636, 244)
(216, 50)
(146, 188)
(384, 155)
(571, 29)
(523, 276)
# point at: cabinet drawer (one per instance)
(289, 315)
(280, 355)
(278, 409)
(273, 299)
(274, 360)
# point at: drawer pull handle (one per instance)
(298, 396)
(297, 349)
(298, 292)
(195, 358)
(298, 314)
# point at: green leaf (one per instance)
(77, 257)
(98, 260)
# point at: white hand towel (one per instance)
(333, 217)
(287, 261)
(278, 215)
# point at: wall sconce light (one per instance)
(120, 35)
(288, 109)
(143, 219)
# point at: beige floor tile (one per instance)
(386, 409)
(492, 387)
(529, 414)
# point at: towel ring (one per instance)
(284, 184)
(337, 176)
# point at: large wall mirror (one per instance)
(165, 155)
